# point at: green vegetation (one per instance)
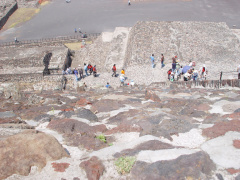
(125, 164)
(102, 138)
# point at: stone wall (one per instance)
(213, 44)
(28, 77)
(6, 12)
(24, 62)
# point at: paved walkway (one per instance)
(95, 16)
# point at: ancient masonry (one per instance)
(38, 65)
(7, 8)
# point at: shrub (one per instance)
(102, 138)
(125, 164)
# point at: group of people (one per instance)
(188, 72)
(84, 35)
(88, 68)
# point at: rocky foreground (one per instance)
(125, 133)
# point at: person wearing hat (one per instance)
(80, 71)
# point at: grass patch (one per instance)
(125, 164)
(74, 46)
(102, 138)
(19, 16)
(77, 45)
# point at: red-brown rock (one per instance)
(149, 94)
(60, 167)
(20, 152)
(233, 171)
(82, 102)
(93, 167)
(221, 128)
(203, 107)
(124, 128)
(67, 110)
(233, 116)
(106, 105)
(236, 144)
(77, 133)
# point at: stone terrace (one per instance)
(213, 44)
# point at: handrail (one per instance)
(62, 38)
(232, 72)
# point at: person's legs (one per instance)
(238, 75)
(86, 72)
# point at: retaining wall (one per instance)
(11, 10)
(29, 77)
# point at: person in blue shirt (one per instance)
(76, 74)
(86, 69)
(152, 60)
(107, 86)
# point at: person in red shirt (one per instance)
(114, 69)
(90, 68)
(169, 73)
(94, 71)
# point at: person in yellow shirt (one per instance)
(123, 72)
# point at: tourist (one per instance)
(152, 60)
(169, 73)
(179, 73)
(172, 76)
(174, 66)
(75, 30)
(122, 79)
(76, 73)
(90, 68)
(122, 72)
(238, 70)
(203, 72)
(174, 59)
(187, 76)
(195, 74)
(107, 86)
(84, 35)
(132, 83)
(129, 3)
(69, 71)
(162, 61)
(15, 40)
(83, 43)
(68, 1)
(94, 69)
(86, 69)
(79, 30)
(114, 69)
(80, 71)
